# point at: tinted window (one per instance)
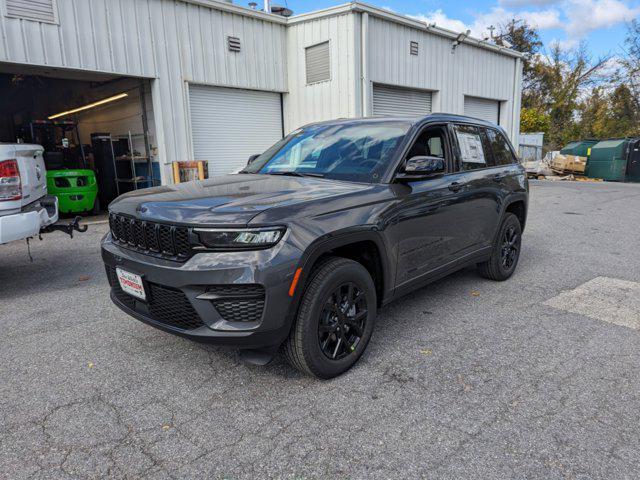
(501, 151)
(430, 142)
(351, 151)
(472, 155)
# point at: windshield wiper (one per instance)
(297, 174)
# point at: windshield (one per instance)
(354, 152)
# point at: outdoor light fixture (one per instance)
(91, 105)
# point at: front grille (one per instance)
(238, 303)
(151, 238)
(164, 304)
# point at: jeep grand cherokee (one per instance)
(300, 249)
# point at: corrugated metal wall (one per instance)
(174, 41)
(469, 70)
(325, 100)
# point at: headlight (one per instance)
(242, 239)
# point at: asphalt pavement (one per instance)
(536, 377)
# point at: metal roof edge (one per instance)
(401, 19)
(238, 10)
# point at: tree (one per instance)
(629, 73)
(518, 35)
(622, 119)
(533, 120)
(562, 77)
(593, 112)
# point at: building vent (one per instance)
(318, 64)
(234, 44)
(37, 10)
(413, 48)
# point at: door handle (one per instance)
(499, 177)
(455, 187)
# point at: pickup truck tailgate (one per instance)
(33, 178)
(32, 172)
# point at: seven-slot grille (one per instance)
(150, 237)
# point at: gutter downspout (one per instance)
(517, 100)
(364, 55)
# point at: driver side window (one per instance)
(431, 142)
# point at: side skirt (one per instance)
(467, 260)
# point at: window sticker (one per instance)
(471, 148)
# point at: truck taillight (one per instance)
(10, 182)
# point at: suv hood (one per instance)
(228, 199)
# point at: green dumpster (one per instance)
(633, 161)
(609, 159)
(579, 148)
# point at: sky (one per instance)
(599, 23)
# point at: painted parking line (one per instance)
(607, 299)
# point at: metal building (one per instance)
(216, 81)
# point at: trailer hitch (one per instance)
(69, 228)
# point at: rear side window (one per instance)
(472, 154)
(500, 148)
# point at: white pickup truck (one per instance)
(25, 207)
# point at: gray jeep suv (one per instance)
(300, 249)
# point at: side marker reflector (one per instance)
(294, 282)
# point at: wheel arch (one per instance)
(517, 204)
(364, 246)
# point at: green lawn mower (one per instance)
(68, 177)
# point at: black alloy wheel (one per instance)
(505, 252)
(510, 247)
(342, 321)
(335, 320)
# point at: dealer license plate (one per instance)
(131, 284)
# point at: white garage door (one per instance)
(482, 108)
(229, 124)
(400, 101)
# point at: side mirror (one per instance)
(422, 166)
(252, 158)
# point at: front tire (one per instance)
(335, 321)
(506, 251)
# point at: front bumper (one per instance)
(29, 221)
(228, 298)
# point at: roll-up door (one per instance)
(229, 124)
(400, 101)
(482, 108)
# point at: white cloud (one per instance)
(577, 18)
(441, 20)
(543, 20)
(585, 16)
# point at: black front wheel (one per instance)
(335, 320)
(506, 250)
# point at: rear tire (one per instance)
(506, 251)
(335, 320)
